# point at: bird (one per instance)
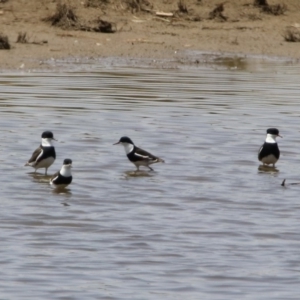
(63, 177)
(269, 152)
(138, 156)
(44, 156)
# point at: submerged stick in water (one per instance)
(293, 183)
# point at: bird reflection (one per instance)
(62, 191)
(39, 177)
(267, 169)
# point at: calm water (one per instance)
(207, 224)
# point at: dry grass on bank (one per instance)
(217, 13)
(66, 18)
(182, 8)
(22, 38)
(63, 17)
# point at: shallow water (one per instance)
(207, 224)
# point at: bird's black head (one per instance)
(273, 131)
(47, 135)
(124, 139)
(67, 161)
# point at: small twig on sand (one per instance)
(164, 14)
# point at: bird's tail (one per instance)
(160, 160)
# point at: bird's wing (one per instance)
(36, 155)
(54, 176)
(263, 150)
(259, 152)
(146, 155)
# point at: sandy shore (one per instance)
(140, 31)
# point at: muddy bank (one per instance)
(146, 30)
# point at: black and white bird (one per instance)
(138, 156)
(63, 177)
(269, 152)
(44, 156)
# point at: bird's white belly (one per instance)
(270, 159)
(145, 162)
(141, 163)
(45, 163)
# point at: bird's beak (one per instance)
(116, 143)
(280, 135)
(54, 139)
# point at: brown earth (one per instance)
(138, 32)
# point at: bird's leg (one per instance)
(137, 169)
(150, 168)
(46, 169)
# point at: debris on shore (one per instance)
(4, 42)
(101, 26)
(275, 9)
(292, 33)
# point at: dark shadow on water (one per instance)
(140, 173)
(267, 169)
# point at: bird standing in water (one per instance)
(64, 177)
(138, 156)
(44, 156)
(269, 152)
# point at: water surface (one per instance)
(207, 224)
